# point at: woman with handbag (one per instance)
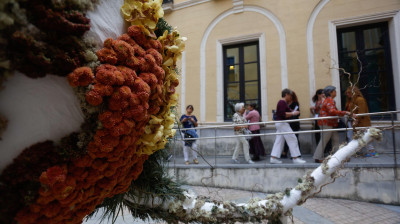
(294, 105)
(256, 145)
(241, 142)
(283, 112)
(189, 121)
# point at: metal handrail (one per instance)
(285, 121)
(284, 133)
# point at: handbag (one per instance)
(190, 134)
(247, 132)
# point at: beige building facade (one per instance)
(249, 50)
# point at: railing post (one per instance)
(215, 146)
(322, 138)
(394, 144)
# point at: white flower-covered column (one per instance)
(274, 207)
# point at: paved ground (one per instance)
(313, 211)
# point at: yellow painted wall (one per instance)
(193, 21)
(334, 10)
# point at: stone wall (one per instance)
(377, 185)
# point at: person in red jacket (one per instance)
(328, 108)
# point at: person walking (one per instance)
(356, 104)
(283, 112)
(189, 121)
(317, 99)
(328, 108)
(295, 126)
(256, 145)
(241, 142)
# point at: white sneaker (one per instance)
(298, 161)
(276, 161)
(250, 161)
(235, 161)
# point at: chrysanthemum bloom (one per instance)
(82, 76)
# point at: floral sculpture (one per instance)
(133, 90)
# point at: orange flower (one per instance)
(84, 161)
(137, 34)
(103, 90)
(45, 200)
(133, 62)
(66, 201)
(107, 55)
(150, 60)
(108, 43)
(99, 165)
(156, 55)
(94, 98)
(144, 66)
(118, 104)
(52, 175)
(123, 50)
(125, 37)
(105, 74)
(82, 76)
(52, 209)
(110, 119)
(156, 44)
(150, 79)
(159, 73)
(142, 89)
(134, 100)
(129, 75)
(61, 190)
(139, 51)
(125, 92)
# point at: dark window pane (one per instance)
(348, 41)
(250, 53)
(251, 71)
(348, 62)
(230, 109)
(233, 92)
(372, 38)
(232, 56)
(375, 60)
(251, 90)
(241, 76)
(375, 79)
(233, 73)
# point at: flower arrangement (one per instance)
(133, 90)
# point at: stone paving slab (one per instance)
(313, 211)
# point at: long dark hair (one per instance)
(294, 97)
(315, 97)
(254, 106)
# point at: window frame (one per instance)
(360, 50)
(242, 81)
